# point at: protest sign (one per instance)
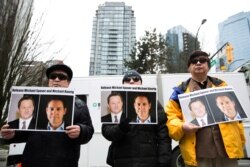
(211, 106)
(137, 103)
(40, 108)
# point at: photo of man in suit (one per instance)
(115, 106)
(227, 105)
(26, 106)
(199, 112)
(55, 111)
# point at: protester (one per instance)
(52, 149)
(211, 146)
(138, 145)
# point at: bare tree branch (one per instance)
(20, 45)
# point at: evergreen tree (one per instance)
(150, 54)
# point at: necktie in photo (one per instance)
(202, 122)
(116, 119)
(24, 125)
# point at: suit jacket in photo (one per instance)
(15, 124)
(108, 117)
(210, 120)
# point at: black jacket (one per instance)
(54, 149)
(141, 146)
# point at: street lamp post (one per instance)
(196, 36)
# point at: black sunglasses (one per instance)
(135, 79)
(199, 59)
(53, 76)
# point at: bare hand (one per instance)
(73, 131)
(7, 133)
(190, 128)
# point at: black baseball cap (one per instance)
(61, 67)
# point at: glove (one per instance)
(162, 165)
(124, 125)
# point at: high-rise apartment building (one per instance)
(113, 37)
(174, 38)
(236, 31)
(181, 42)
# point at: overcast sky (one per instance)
(69, 23)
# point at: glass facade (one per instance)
(113, 37)
(236, 31)
(174, 38)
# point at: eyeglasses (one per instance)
(135, 79)
(61, 77)
(200, 59)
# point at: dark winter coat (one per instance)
(142, 146)
(56, 149)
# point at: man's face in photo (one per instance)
(115, 104)
(142, 107)
(198, 109)
(55, 112)
(226, 105)
(26, 109)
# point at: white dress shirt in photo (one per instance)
(202, 120)
(118, 116)
(27, 123)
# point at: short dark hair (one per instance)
(114, 94)
(195, 100)
(198, 53)
(26, 98)
(224, 94)
(143, 95)
(57, 98)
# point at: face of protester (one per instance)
(198, 109)
(115, 104)
(132, 80)
(26, 109)
(227, 106)
(199, 66)
(55, 112)
(142, 107)
(58, 78)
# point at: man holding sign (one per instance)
(56, 149)
(134, 145)
(210, 146)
